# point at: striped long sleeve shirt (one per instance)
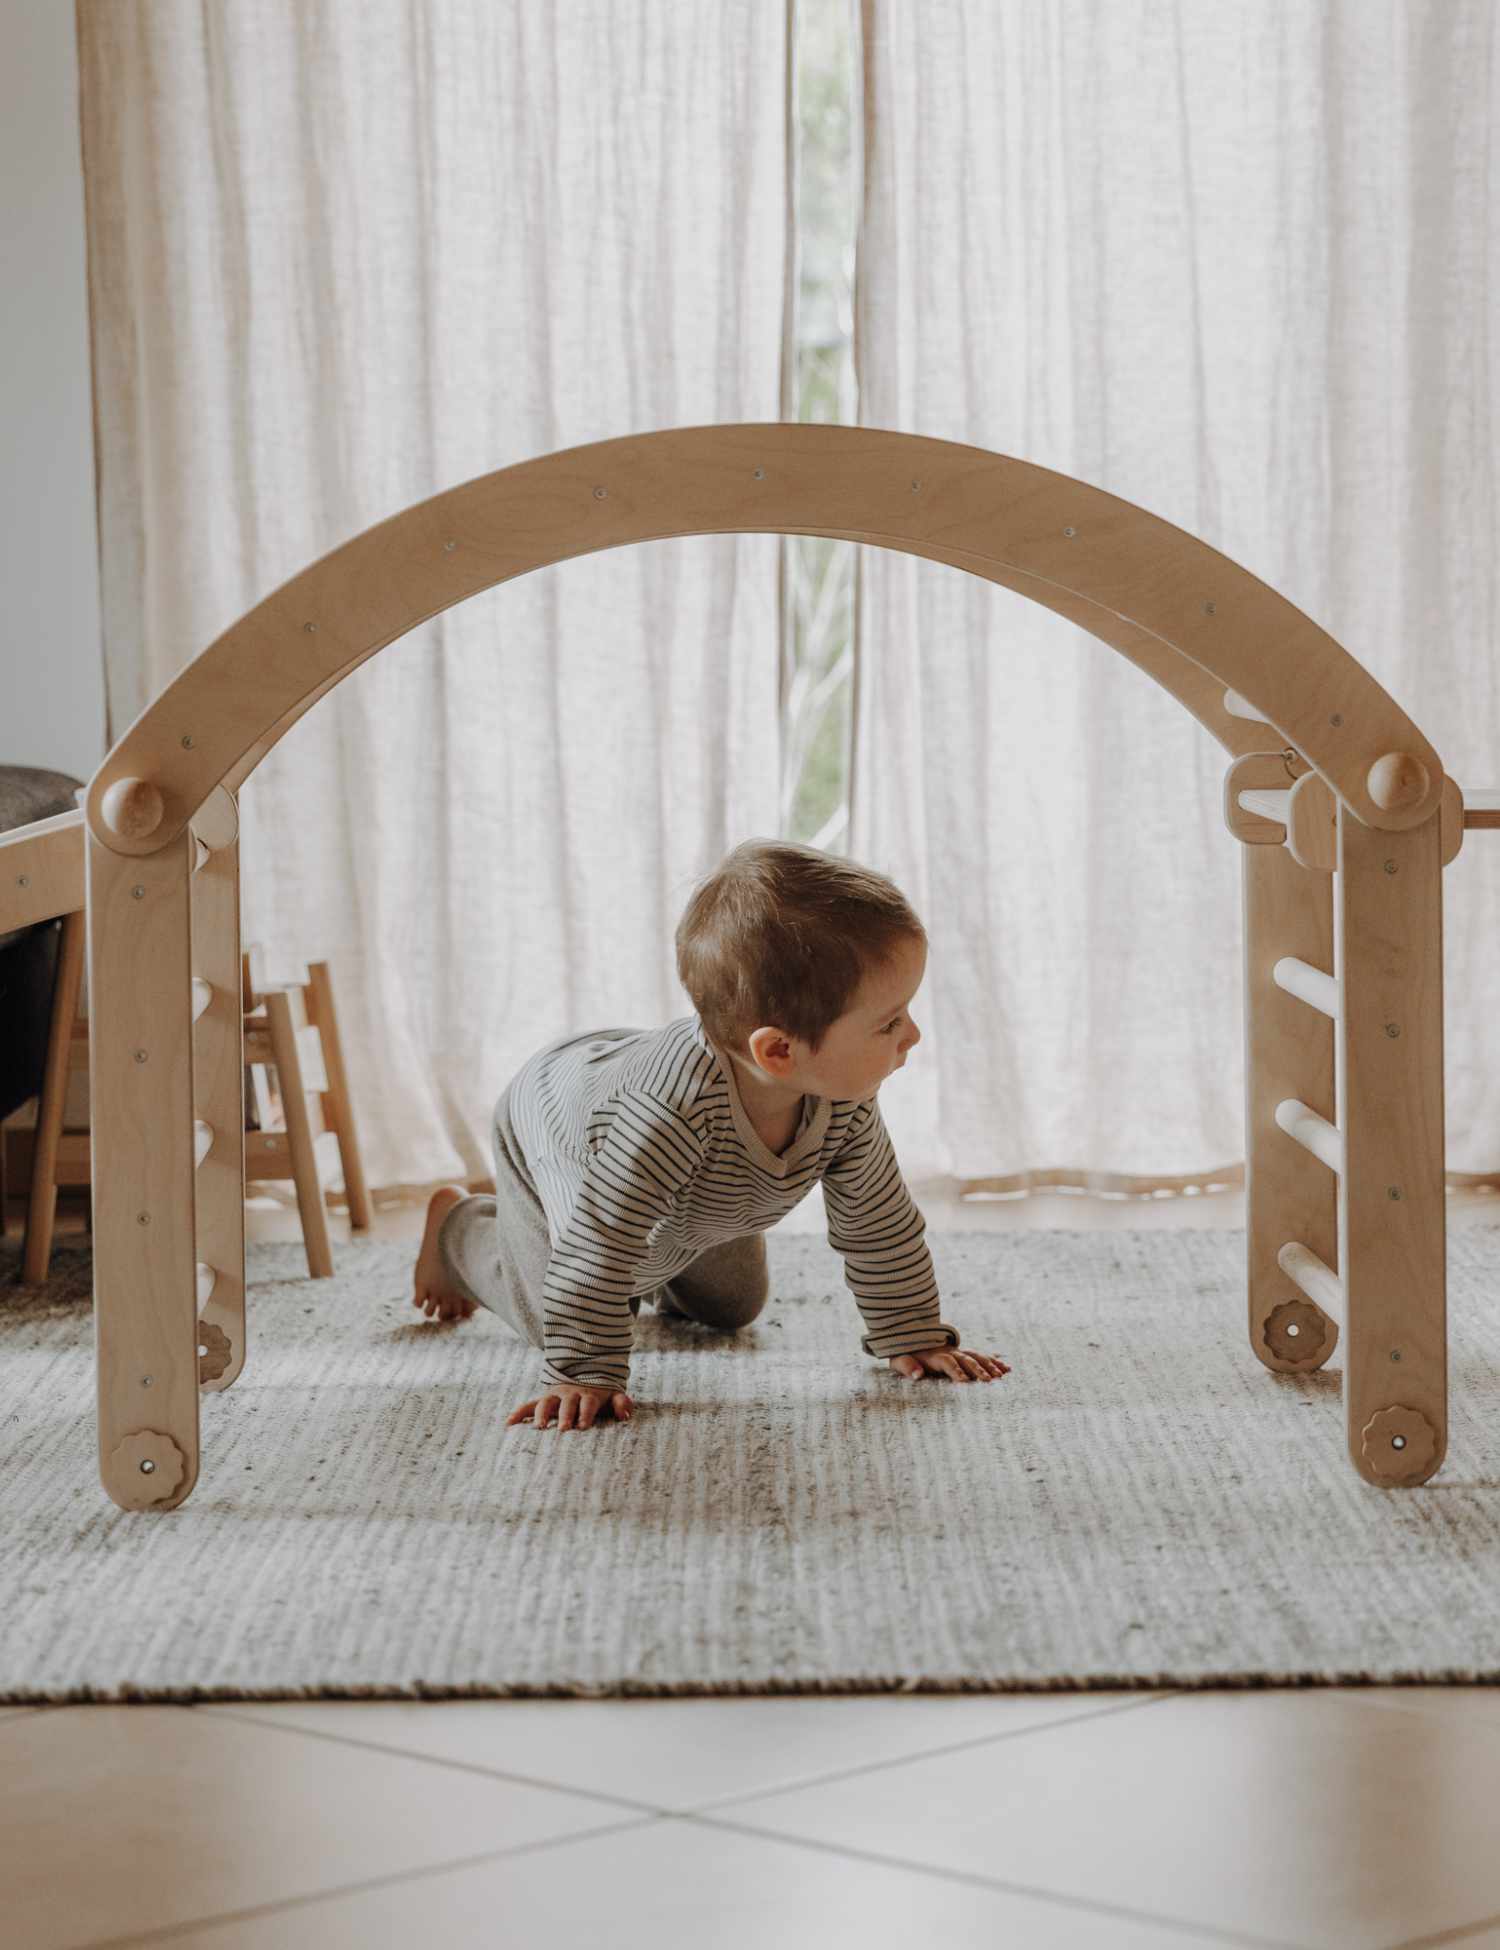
(644, 1156)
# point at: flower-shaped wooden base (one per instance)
(1399, 1445)
(214, 1351)
(1314, 1339)
(151, 1465)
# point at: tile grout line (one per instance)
(166, 1934)
(1458, 1934)
(168, 1931)
(1366, 1696)
(249, 1716)
(939, 1753)
(640, 1808)
(965, 1878)
(972, 1879)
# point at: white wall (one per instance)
(51, 656)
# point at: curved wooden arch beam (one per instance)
(1125, 575)
(1195, 688)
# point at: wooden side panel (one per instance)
(1393, 1219)
(1289, 1052)
(41, 871)
(141, 1092)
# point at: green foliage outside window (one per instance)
(819, 574)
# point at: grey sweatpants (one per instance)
(496, 1250)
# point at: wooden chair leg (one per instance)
(285, 1015)
(337, 1108)
(41, 1207)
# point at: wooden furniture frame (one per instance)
(291, 1027)
(1335, 793)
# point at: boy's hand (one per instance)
(955, 1362)
(576, 1407)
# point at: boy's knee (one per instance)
(742, 1306)
(731, 1292)
(751, 1287)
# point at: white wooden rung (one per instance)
(1309, 984)
(1241, 707)
(203, 1139)
(1317, 1280)
(203, 994)
(1268, 802)
(1315, 1133)
(206, 1279)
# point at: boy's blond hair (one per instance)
(782, 934)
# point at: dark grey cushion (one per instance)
(29, 792)
(28, 956)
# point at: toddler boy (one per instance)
(636, 1163)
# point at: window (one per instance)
(818, 575)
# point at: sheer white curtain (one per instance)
(343, 258)
(1232, 263)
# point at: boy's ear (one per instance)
(770, 1048)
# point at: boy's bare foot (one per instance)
(432, 1293)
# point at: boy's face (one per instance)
(870, 1040)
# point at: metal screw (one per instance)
(147, 1467)
(187, 743)
(760, 473)
(146, 1380)
(1337, 718)
(1293, 1328)
(448, 547)
(916, 487)
(1393, 1030)
(23, 880)
(599, 493)
(1210, 609)
(311, 628)
(1395, 1354)
(1070, 533)
(1391, 867)
(143, 1218)
(1393, 1191)
(1398, 1441)
(137, 893)
(140, 1056)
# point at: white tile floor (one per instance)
(1311, 1816)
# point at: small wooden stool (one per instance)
(290, 1027)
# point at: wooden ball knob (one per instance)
(1397, 782)
(132, 808)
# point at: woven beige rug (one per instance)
(1139, 1503)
